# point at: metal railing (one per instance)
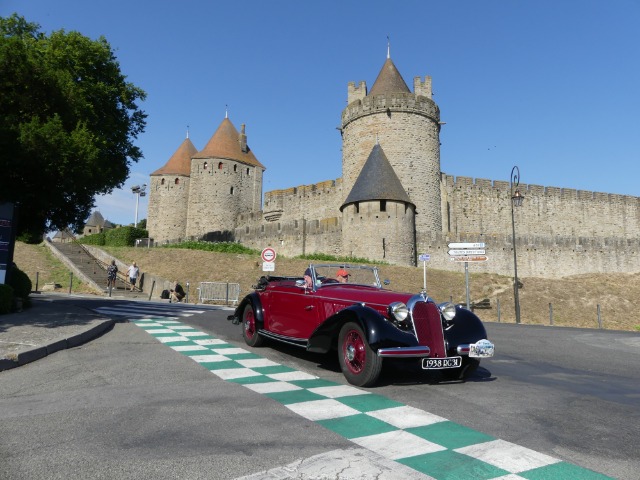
(219, 292)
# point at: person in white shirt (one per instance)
(133, 272)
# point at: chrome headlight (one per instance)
(448, 311)
(398, 311)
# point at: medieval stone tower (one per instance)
(378, 218)
(407, 127)
(199, 195)
(169, 195)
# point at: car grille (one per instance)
(428, 327)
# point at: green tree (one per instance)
(68, 119)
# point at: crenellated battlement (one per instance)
(356, 92)
(301, 191)
(455, 183)
(421, 87)
(391, 102)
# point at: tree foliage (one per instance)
(68, 119)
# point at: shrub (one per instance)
(21, 284)
(95, 239)
(124, 236)
(222, 247)
(6, 298)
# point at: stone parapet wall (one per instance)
(291, 237)
(538, 255)
(399, 102)
(320, 200)
(484, 207)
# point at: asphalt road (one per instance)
(127, 406)
(570, 393)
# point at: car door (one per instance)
(293, 312)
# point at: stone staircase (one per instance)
(95, 270)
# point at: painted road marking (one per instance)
(427, 443)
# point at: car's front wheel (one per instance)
(249, 328)
(360, 364)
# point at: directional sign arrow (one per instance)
(469, 258)
(467, 252)
(466, 245)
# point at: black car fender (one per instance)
(465, 328)
(252, 299)
(379, 332)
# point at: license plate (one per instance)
(446, 362)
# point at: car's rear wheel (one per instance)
(360, 364)
(469, 365)
(249, 328)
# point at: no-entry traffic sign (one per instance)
(268, 254)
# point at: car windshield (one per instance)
(332, 274)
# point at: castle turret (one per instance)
(169, 196)
(408, 125)
(226, 180)
(378, 216)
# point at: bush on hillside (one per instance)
(95, 239)
(6, 298)
(222, 247)
(323, 257)
(124, 236)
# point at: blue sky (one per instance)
(552, 86)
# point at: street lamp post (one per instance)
(138, 191)
(516, 201)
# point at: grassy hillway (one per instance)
(574, 299)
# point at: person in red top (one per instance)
(342, 275)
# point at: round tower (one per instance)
(408, 126)
(226, 180)
(169, 195)
(378, 216)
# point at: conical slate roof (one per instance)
(180, 161)
(377, 181)
(225, 144)
(389, 80)
(95, 219)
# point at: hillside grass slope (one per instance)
(574, 299)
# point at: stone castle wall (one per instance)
(586, 232)
(484, 207)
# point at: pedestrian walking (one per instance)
(112, 274)
(133, 273)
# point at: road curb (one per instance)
(37, 353)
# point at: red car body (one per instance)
(363, 322)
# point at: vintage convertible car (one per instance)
(363, 322)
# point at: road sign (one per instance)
(466, 245)
(268, 255)
(469, 258)
(268, 266)
(467, 252)
(425, 257)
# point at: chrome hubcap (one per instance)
(350, 352)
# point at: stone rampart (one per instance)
(538, 255)
(483, 207)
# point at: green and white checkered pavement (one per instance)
(429, 444)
